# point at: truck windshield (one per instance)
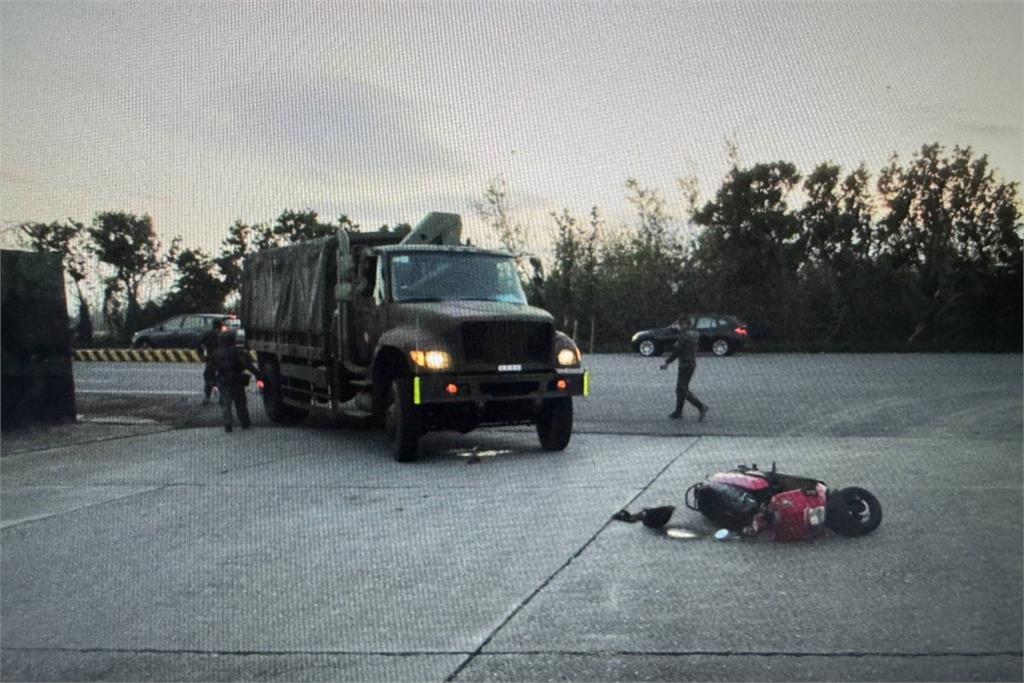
(455, 276)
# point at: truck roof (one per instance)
(455, 249)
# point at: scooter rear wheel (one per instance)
(853, 511)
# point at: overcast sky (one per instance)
(203, 114)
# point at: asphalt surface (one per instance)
(169, 550)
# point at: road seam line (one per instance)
(523, 653)
(29, 520)
(544, 584)
(99, 440)
(238, 653)
(745, 653)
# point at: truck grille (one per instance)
(502, 343)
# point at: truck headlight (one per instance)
(432, 360)
(569, 357)
(567, 354)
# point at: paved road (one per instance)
(751, 395)
(306, 554)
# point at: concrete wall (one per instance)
(37, 384)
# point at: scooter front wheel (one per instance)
(853, 511)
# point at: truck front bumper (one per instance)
(446, 388)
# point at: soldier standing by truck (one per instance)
(686, 352)
(208, 347)
(230, 364)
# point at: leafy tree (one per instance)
(634, 277)
(571, 283)
(68, 240)
(746, 256)
(128, 244)
(346, 223)
(242, 239)
(298, 226)
(655, 255)
(653, 226)
(950, 223)
(197, 288)
(835, 243)
(563, 276)
(495, 213)
(836, 219)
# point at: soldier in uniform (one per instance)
(207, 348)
(230, 364)
(686, 352)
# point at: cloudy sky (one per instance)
(200, 114)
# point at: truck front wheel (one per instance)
(402, 422)
(554, 424)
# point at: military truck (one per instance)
(415, 332)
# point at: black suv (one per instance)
(179, 332)
(722, 335)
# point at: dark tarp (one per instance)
(37, 382)
(290, 289)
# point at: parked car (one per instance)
(722, 335)
(180, 332)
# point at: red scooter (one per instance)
(748, 501)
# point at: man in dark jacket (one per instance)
(230, 364)
(686, 352)
(208, 347)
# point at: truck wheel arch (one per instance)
(388, 363)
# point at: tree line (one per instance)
(926, 256)
(119, 253)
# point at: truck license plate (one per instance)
(510, 368)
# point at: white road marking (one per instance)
(134, 367)
(133, 392)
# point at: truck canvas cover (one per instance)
(285, 289)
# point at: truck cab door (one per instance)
(367, 314)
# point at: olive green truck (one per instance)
(416, 332)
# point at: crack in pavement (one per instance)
(544, 584)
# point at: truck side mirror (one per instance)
(538, 271)
(538, 280)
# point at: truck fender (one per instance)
(388, 362)
(405, 338)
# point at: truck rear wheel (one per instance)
(273, 402)
(402, 422)
(554, 425)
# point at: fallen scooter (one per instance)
(749, 501)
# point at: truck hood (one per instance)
(442, 314)
(497, 332)
(441, 319)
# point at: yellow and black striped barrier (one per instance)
(137, 355)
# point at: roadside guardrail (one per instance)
(137, 355)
